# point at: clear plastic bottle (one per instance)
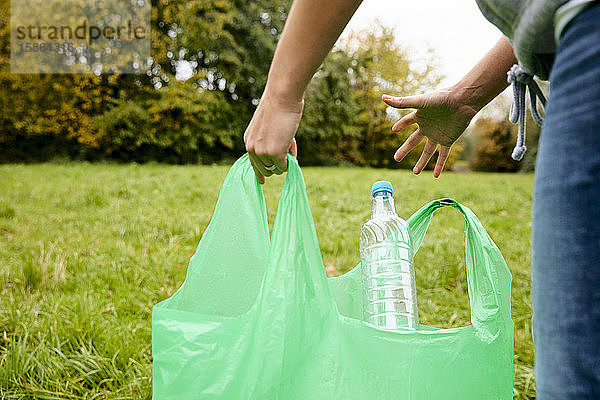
(390, 294)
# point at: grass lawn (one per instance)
(87, 249)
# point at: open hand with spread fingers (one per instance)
(440, 118)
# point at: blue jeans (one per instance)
(566, 221)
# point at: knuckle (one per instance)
(260, 151)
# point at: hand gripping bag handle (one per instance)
(488, 276)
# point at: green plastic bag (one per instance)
(257, 318)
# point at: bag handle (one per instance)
(291, 258)
(294, 289)
(488, 276)
(295, 271)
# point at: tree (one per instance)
(329, 121)
(227, 46)
(344, 118)
(230, 43)
(381, 67)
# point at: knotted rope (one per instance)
(520, 81)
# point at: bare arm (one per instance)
(310, 31)
(443, 115)
(312, 28)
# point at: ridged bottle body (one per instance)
(389, 289)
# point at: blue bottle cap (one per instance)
(382, 186)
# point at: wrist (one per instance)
(284, 86)
(465, 94)
(282, 97)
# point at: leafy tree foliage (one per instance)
(494, 140)
(227, 46)
(345, 120)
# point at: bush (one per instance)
(125, 127)
(495, 143)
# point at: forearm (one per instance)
(310, 32)
(487, 78)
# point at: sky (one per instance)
(455, 29)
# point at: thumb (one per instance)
(294, 148)
(404, 102)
